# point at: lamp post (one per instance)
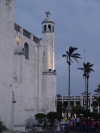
(87, 69)
(87, 76)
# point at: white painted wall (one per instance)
(6, 59)
(24, 89)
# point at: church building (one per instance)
(27, 74)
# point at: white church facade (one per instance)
(27, 74)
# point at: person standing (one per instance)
(78, 123)
(65, 119)
(98, 126)
(56, 123)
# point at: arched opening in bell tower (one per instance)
(49, 27)
(52, 28)
(45, 28)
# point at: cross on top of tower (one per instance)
(48, 13)
(47, 19)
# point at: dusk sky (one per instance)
(77, 24)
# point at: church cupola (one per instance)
(47, 24)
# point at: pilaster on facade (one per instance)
(74, 101)
(81, 100)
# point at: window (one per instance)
(26, 51)
(49, 27)
(44, 27)
(53, 28)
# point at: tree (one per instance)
(58, 96)
(2, 127)
(96, 101)
(98, 89)
(87, 70)
(69, 56)
(78, 110)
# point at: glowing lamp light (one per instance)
(17, 39)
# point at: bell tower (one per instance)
(48, 40)
(49, 72)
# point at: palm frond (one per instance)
(81, 68)
(72, 49)
(64, 55)
(74, 56)
(76, 60)
(67, 52)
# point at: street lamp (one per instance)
(87, 76)
(87, 69)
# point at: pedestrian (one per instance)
(66, 119)
(73, 120)
(78, 123)
(56, 124)
(99, 126)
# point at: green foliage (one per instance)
(51, 116)
(91, 114)
(97, 116)
(78, 110)
(71, 55)
(96, 102)
(96, 99)
(40, 118)
(59, 107)
(2, 127)
(87, 69)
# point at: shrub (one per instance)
(51, 116)
(40, 118)
(2, 127)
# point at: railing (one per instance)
(35, 39)
(26, 33)
(17, 27)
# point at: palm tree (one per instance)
(69, 56)
(87, 70)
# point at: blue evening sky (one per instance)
(77, 24)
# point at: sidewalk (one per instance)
(74, 131)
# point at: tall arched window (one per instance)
(49, 27)
(45, 28)
(26, 51)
